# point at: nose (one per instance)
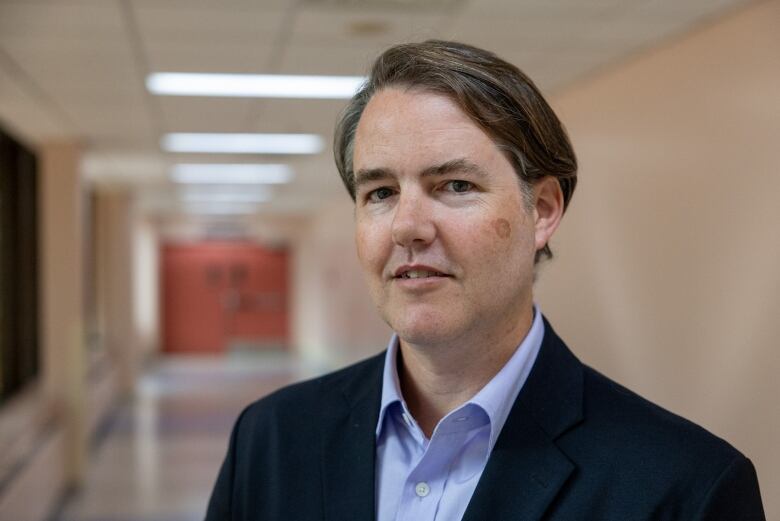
(413, 224)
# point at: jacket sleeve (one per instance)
(220, 506)
(734, 495)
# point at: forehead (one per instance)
(404, 126)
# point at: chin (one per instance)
(419, 338)
(423, 328)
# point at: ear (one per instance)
(548, 209)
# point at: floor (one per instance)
(157, 457)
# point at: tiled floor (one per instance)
(160, 454)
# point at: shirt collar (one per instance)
(391, 387)
(495, 398)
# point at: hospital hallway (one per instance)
(155, 458)
(176, 240)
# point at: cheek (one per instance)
(478, 248)
(370, 247)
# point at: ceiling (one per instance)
(75, 69)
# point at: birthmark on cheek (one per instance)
(502, 228)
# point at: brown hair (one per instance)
(495, 94)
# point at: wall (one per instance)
(667, 273)
(47, 447)
(116, 288)
(46, 430)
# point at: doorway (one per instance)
(224, 296)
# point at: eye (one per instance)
(459, 186)
(379, 194)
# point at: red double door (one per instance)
(222, 295)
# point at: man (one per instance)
(460, 173)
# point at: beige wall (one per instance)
(116, 255)
(63, 366)
(666, 275)
(49, 444)
(47, 450)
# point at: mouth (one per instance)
(419, 273)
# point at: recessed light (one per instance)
(225, 143)
(209, 173)
(225, 197)
(253, 85)
(220, 209)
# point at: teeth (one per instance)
(419, 274)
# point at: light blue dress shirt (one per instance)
(423, 479)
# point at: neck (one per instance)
(437, 379)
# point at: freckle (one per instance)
(502, 227)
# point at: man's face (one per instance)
(443, 234)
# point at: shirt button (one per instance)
(422, 489)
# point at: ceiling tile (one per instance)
(233, 5)
(315, 26)
(666, 9)
(54, 21)
(215, 25)
(559, 70)
(111, 119)
(543, 10)
(23, 115)
(330, 59)
(201, 56)
(502, 34)
(80, 54)
(57, 67)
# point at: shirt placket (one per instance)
(424, 486)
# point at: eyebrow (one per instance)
(369, 175)
(462, 165)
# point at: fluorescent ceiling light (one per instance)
(253, 85)
(224, 143)
(225, 197)
(220, 209)
(195, 173)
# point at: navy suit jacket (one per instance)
(576, 445)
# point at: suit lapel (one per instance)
(522, 477)
(526, 470)
(350, 412)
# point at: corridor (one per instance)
(156, 459)
(176, 240)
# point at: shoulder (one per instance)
(297, 404)
(650, 458)
(632, 456)
(638, 425)
(618, 424)
(648, 451)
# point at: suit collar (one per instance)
(349, 415)
(524, 473)
(526, 469)
(553, 392)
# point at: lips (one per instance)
(418, 272)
